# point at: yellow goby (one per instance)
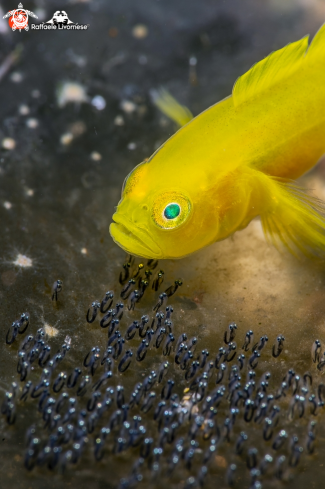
(233, 162)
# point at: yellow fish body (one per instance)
(233, 162)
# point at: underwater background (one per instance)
(76, 117)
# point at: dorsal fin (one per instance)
(278, 66)
(316, 50)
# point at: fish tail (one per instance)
(294, 218)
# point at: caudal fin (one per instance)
(295, 219)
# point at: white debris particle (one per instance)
(95, 156)
(23, 109)
(36, 93)
(66, 138)
(71, 92)
(84, 251)
(16, 77)
(143, 60)
(77, 128)
(119, 121)
(51, 331)
(98, 102)
(140, 31)
(128, 106)
(132, 146)
(67, 340)
(29, 192)
(32, 123)
(7, 205)
(8, 143)
(23, 261)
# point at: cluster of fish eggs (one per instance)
(192, 415)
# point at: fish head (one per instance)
(163, 216)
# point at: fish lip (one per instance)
(126, 228)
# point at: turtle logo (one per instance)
(18, 19)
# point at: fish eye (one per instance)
(170, 210)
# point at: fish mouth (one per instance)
(132, 239)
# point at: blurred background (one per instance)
(76, 117)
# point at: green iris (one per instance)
(172, 211)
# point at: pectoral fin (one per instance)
(295, 219)
(169, 106)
